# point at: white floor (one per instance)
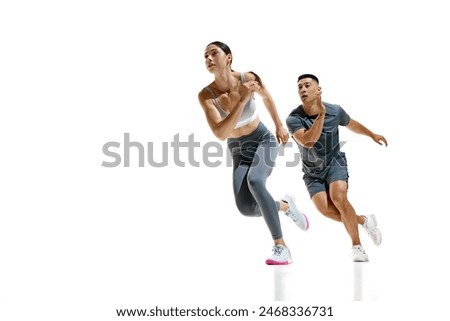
(308, 279)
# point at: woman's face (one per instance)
(216, 59)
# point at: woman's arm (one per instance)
(281, 133)
(222, 128)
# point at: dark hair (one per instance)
(308, 76)
(222, 46)
(227, 51)
(257, 78)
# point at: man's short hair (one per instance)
(308, 76)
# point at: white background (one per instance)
(79, 240)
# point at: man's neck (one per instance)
(311, 109)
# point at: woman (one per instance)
(230, 110)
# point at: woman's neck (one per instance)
(225, 81)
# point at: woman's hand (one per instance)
(247, 89)
(282, 135)
(252, 85)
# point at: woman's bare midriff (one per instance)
(244, 130)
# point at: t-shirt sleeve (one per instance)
(294, 123)
(344, 118)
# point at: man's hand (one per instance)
(379, 139)
(320, 106)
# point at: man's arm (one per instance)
(359, 128)
(308, 137)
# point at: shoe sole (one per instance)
(273, 262)
(380, 238)
(374, 220)
(292, 201)
(361, 261)
(375, 226)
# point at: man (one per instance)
(314, 126)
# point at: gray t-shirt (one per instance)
(327, 148)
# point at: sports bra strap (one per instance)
(211, 92)
(242, 77)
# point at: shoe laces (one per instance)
(277, 250)
(289, 214)
(358, 249)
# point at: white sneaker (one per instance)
(359, 255)
(370, 225)
(281, 256)
(295, 214)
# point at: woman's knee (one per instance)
(248, 208)
(256, 182)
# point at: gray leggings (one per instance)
(253, 160)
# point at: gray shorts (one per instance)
(337, 170)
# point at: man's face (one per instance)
(308, 90)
